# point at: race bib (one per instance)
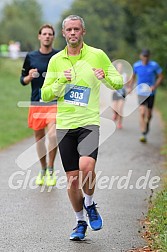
(77, 95)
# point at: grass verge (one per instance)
(13, 120)
(157, 214)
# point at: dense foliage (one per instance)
(123, 27)
(20, 21)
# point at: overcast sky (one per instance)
(52, 9)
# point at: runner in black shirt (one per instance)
(41, 115)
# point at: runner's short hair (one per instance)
(73, 17)
(46, 26)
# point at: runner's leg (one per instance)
(41, 150)
(40, 146)
(74, 191)
(149, 112)
(143, 111)
(115, 110)
(67, 142)
(120, 112)
(87, 169)
(52, 145)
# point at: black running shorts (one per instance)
(75, 143)
(149, 101)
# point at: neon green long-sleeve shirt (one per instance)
(78, 99)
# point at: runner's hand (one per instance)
(68, 74)
(152, 88)
(33, 73)
(99, 73)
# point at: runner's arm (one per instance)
(54, 84)
(24, 78)
(112, 79)
(131, 82)
(159, 80)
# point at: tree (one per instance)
(103, 19)
(152, 32)
(20, 21)
(122, 28)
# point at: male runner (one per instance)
(149, 77)
(41, 116)
(73, 77)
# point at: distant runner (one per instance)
(148, 72)
(118, 98)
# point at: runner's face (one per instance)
(73, 32)
(46, 37)
(144, 59)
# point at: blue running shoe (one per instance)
(79, 231)
(95, 221)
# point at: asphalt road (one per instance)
(34, 219)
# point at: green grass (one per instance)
(158, 221)
(157, 213)
(13, 120)
(161, 104)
